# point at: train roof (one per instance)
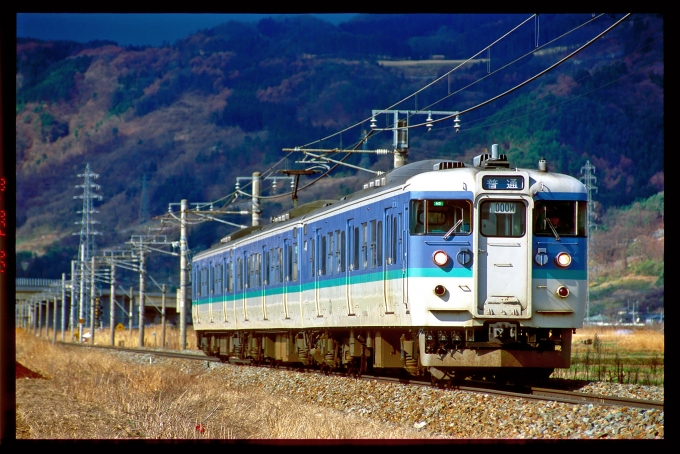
(401, 176)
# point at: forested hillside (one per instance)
(184, 121)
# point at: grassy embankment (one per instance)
(93, 394)
(618, 354)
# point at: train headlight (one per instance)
(439, 290)
(563, 259)
(440, 258)
(562, 291)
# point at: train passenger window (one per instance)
(289, 262)
(380, 245)
(503, 218)
(330, 247)
(374, 252)
(218, 279)
(355, 255)
(204, 281)
(441, 217)
(395, 235)
(322, 255)
(364, 245)
(568, 218)
(343, 246)
(230, 276)
(295, 262)
(239, 275)
(312, 264)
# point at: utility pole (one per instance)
(63, 307)
(163, 318)
(183, 275)
(588, 180)
(126, 260)
(144, 244)
(256, 198)
(142, 289)
(93, 297)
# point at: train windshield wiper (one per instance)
(452, 229)
(552, 227)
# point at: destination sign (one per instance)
(503, 183)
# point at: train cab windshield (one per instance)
(440, 217)
(560, 218)
(503, 218)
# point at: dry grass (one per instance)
(87, 394)
(633, 339)
(621, 354)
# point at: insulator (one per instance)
(429, 122)
(456, 123)
(373, 123)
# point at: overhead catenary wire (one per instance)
(561, 87)
(231, 197)
(532, 78)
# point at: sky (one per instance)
(137, 29)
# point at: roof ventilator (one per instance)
(448, 165)
(493, 161)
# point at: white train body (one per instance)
(437, 268)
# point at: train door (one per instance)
(225, 280)
(349, 253)
(503, 258)
(317, 261)
(287, 260)
(392, 267)
(211, 290)
(243, 279)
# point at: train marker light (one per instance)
(440, 258)
(439, 290)
(562, 291)
(464, 257)
(541, 257)
(563, 259)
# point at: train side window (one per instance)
(355, 258)
(395, 235)
(374, 251)
(295, 262)
(204, 281)
(342, 244)
(364, 245)
(279, 265)
(218, 279)
(322, 255)
(239, 275)
(379, 231)
(230, 276)
(312, 264)
(330, 247)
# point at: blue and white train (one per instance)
(436, 268)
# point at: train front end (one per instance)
(497, 268)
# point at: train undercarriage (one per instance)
(499, 351)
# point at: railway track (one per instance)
(528, 392)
